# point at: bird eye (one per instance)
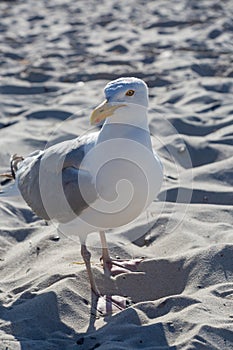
(130, 93)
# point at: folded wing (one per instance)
(44, 175)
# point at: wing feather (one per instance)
(44, 174)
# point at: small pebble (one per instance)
(181, 149)
(80, 341)
(54, 238)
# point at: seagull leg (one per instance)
(86, 255)
(105, 305)
(107, 261)
(113, 267)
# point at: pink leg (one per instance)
(86, 255)
(113, 267)
(106, 305)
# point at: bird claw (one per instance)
(108, 305)
(118, 266)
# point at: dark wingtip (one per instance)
(14, 160)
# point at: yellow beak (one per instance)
(103, 111)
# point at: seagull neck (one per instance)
(127, 123)
(130, 114)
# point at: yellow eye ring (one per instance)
(130, 93)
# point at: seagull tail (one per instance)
(11, 190)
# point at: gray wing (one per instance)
(53, 183)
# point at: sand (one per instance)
(56, 57)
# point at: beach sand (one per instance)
(56, 57)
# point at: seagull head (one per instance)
(122, 92)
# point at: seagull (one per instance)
(99, 181)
